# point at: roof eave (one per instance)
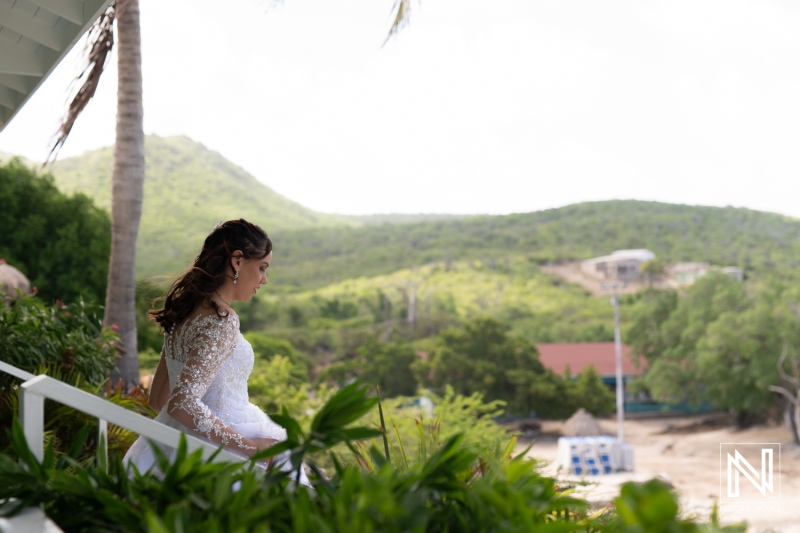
(18, 64)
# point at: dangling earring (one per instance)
(235, 277)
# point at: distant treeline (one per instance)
(189, 189)
(750, 239)
(400, 218)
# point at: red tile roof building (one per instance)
(578, 355)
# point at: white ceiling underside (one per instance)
(35, 35)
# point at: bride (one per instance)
(200, 385)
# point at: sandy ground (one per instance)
(686, 452)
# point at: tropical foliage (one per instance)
(481, 357)
(61, 243)
(717, 342)
(365, 302)
(67, 342)
(417, 426)
(356, 301)
(478, 357)
(455, 488)
(418, 303)
(387, 365)
(63, 337)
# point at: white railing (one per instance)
(16, 372)
(35, 389)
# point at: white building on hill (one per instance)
(621, 264)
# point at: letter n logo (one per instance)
(737, 465)
(749, 472)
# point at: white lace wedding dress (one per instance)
(208, 364)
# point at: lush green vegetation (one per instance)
(345, 336)
(400, 218)
(753, 240)
(188, 190)
(452, 486)
(67, 342)
(480, 357)
(361, 329)
(537, 305)
(432, 309)
(67, 337)
(718, 342)
(61, 243)
(367, 298)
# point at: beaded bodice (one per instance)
(227, 360)
(208, 362)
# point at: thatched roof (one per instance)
(581, 424)
(12, 280)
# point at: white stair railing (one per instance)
(35, 389)
(16, 372)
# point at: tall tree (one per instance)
(789, 388)
(482, 356)
(127, 178)
(61, 242)
(127, 190)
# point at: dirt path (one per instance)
(690, 460)
(572, 273)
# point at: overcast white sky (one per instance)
(477, 107)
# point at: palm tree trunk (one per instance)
(127, 192)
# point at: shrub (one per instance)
(66, 342)
(70, 338)
(148, 334)
(457, 488)
(651, 507)
(590, 392)
(416, 427)
(481, 356)
(265, 347)
(384, 364)
(274, 387)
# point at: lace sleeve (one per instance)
(213, 343)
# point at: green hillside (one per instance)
(402, 218)
(5, 157)
(534, 304)
(188, 190)
(463, 268)
(751, 239)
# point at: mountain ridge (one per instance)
(189, 189)
(719, 235)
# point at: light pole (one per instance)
(618, 349)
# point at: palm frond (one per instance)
(99, 44)
(402, 12)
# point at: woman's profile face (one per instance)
(252, 275)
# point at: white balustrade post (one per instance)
(102, 440)
(31, 413)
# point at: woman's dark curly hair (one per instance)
(210, 269)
